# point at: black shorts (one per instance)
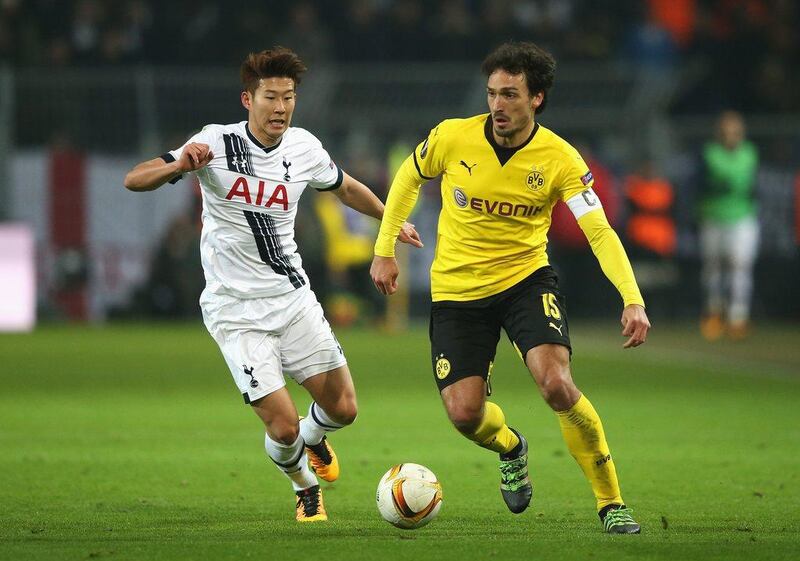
(464, 335)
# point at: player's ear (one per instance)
(537, 100)
(246, 101)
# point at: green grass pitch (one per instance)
(131, 442)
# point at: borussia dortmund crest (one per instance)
(442, 367)
(535, 179)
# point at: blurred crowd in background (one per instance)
(646, 156)
(752, 45)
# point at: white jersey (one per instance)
(250, 196)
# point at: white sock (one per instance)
(291, 460)
(314, 426)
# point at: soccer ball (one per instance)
(409, 496)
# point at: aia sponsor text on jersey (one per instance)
(241, 190)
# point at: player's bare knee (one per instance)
(346, 412)
(288, 436)
(558, 391)
(465, 418)
(284, 432)
(465, 426)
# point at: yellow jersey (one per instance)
(496, 208)
(496, 203)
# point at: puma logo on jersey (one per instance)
(469, 168)
(556, 327)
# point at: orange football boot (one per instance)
(323, 460)
(310, 507)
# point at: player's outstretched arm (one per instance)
(635, 325)
(152, 174)
(359, 197)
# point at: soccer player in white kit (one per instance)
(257, 304)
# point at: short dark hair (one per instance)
(538, 66)
(277, 62)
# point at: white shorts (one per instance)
(265, 339)
(734, 243)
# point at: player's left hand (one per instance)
(384, 272)
(408, 234)
(635, 325)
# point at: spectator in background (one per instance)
(365, 39)
(729, 228)
(546, 19)
(176, 277)
(651, 49)
(136, 29)
(593, 35)
(678, 17)
(19, 33)
(454, 32)
(497, 25)
(651, 226)
(406, 28)
(86, 30)
(348, 254)
(201, 26)
(304, 22)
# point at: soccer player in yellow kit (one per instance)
(502, 173)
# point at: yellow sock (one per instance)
(493, 432)
(583, 433)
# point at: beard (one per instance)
(511, 128)
(507, 132)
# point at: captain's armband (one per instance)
(583, 202)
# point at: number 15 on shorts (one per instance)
(550, 306)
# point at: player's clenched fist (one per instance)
(384, 273)
(194, 156)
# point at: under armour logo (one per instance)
(287, 165)
(249, 372)
(469, 168)
(557, 328)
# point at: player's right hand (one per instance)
(384, 273)
(195, 156)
